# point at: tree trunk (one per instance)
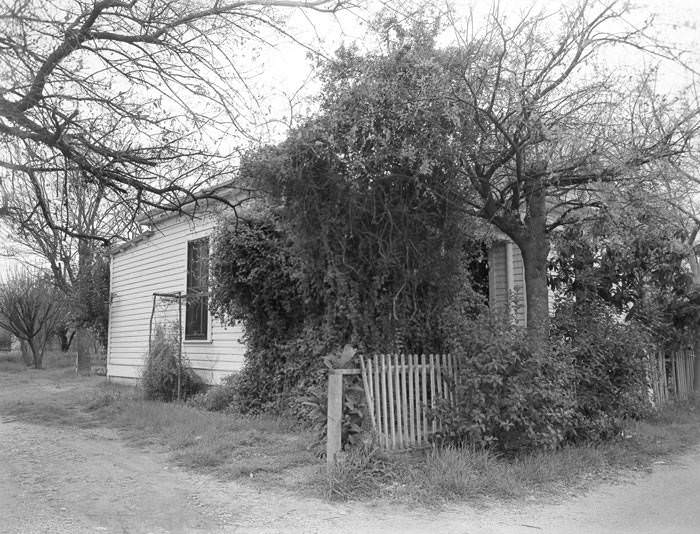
(535, 253)
(83, 342)
(37, 352)
(26, 355)
(534, 246)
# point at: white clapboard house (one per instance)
(161, 277)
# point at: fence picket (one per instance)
(451, 373)
(432, 390)
(390, 395)
(397, 402)
(366, 368)
(385, 411)
(411, 402)
(377, 399)
(420, 429)
(405, 435)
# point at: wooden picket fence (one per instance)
(672, 376)
(658, 378)
(401, 392)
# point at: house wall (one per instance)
(159, 264)
(507, 281)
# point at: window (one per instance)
(196, 311)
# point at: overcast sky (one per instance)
(284, 71)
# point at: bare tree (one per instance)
(554, 125)
(78, 265)
(110, 106)
(30, 309)
(141, 100)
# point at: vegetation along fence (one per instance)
(403, 390)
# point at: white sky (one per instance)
(284, 70)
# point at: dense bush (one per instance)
(258, 281)
(293, 319)
(508, 395)
(610, 363)
(159, 376)
(592, 377)
(276, 373)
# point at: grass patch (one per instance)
(229, 445)
(455, 474)
(11, 362)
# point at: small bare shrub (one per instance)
(159, 377)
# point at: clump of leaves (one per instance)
(217, 398)
(508, 395)
(257, 280)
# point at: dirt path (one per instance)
(74, 480)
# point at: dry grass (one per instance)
(270, 451)
(455, 474)
(230, 446)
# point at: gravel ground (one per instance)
(58, 479)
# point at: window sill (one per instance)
(197, 341)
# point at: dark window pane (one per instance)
(196, 315)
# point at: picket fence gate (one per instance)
(402, 392)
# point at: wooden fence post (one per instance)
(334, 427)
(334, 413)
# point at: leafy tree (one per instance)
(366, 190)
(30, 308)
(535, 124)
(630, 253)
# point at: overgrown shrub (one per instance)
(258, 281)
(610, 362)
(509, 396)
(274, 373)
(294, 315)
(159, 377)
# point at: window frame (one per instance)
(188, 337)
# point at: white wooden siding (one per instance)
(499, 298)
(158, 264)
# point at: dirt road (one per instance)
(57, 479)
